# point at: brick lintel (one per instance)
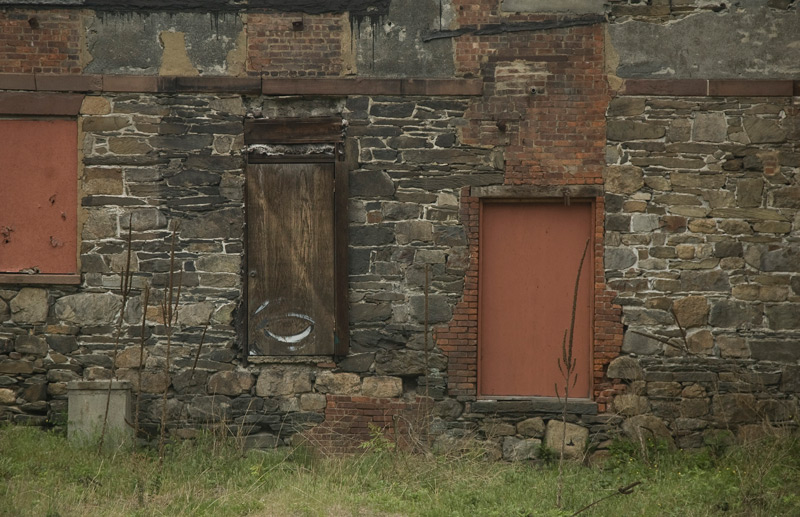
(245, 85)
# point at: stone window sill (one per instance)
(38, 279)
(501, 405)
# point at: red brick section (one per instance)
(275, 49)
(50, 45)
(553, 136)
(348, 418)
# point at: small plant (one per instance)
(378, 443)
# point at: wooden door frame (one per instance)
(538, 194)
(344, 155)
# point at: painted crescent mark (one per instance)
(294, 338)
(272, 320)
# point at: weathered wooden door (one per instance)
(529, 257)
(290, 258)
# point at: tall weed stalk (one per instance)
(567, 365)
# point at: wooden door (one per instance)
(290, 258)
(529, 257)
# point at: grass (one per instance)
(42, 474)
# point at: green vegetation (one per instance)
(42, 475)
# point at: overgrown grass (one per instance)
(42, 474)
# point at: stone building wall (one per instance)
(694, 184)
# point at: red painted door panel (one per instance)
(38, 216)
(529, 257)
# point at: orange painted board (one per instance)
(38, 196)
(529, 257)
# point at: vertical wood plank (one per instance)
(344, 164)
(290, 248)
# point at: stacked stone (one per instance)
(692, 400)
(702, 248)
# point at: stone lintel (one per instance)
(537, 191)
(22, 279)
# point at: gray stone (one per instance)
(781, 350)
(748, 192)
(713, 280)
(735, 408)
(370, 312)
(790, 379)
(370, 184)
(357, 363)
(439, 310)
(278, 382)
(763, 131)
(32, 345)
(209, 409)
(231, 383)
(573, 437)
(785, 259)
(29, 305)
(195, 314)
(634, 343)
(407, 362)
(370, 235)
(709, 127)
(733, 346)
(516, 449)
(448, 409)
(625, 368)
(260, 441)
(627, 130)
(785, 316)
(531, 427)
(617, 259)
(787, 197)
(226, 223)
(5, 311)
(644, 223)
(734, 314)
(89, 308)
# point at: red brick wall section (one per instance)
(275, 49)
(555, 136)
(348, 418)
(50, 46)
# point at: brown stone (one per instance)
(641, 428)
(701, 342)
(629, 404)
(129, 357)
(12, 366)
(691, 311)
(128, 145)
(575, 442)
(531, 427)
(276, 382)
(623, 179)
(382, 387)
(338, 383)
(7, 396)
(313, 401)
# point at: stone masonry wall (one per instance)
(702, 231)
